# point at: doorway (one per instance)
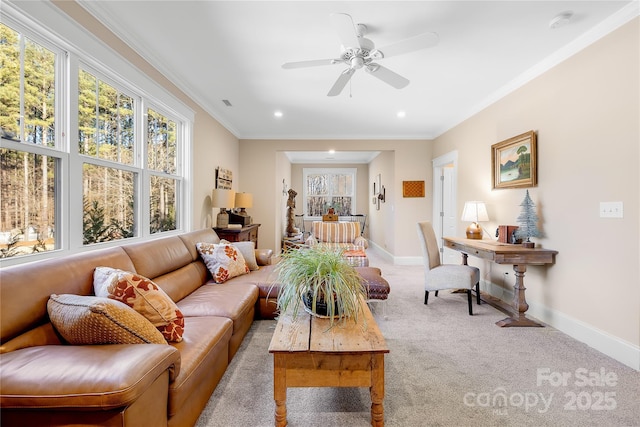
(445, 185)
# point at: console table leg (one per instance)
(519, 302)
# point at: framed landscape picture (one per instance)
(514, 162)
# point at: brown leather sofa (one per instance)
(45, 381)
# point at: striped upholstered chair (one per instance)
(343, 235)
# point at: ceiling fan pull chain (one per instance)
(350, 94)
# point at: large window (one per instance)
(115, 169)
(29, 155)
(106, 131)
(329, 188)
(162, 161)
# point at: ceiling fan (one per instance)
(359, 52)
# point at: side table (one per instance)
(244, 234)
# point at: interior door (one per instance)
(449, 216)
(445, 221)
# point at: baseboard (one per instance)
(614, 347)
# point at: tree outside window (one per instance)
(28, 174)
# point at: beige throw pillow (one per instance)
(223, 261)
(95, 320)
(143, 296)
(248, 251)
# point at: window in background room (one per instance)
(329, 188)
(30, 156)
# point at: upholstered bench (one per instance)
(377, 287)
(356, 257)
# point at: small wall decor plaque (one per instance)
(412, 188)
(224, 178)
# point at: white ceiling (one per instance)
(233, 50)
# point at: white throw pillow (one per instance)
(223, 261)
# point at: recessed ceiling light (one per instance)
(401, 114)
(278, 114)
(560, 19)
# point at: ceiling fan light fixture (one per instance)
(357, 62)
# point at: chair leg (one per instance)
(478, 293)
(426, 297)
(436, 293)
(469, 301)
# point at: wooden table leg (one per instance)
(280, 389)
(377, 390)
(519, 302)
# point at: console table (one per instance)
(244, 234)
(504, 253)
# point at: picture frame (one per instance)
(514, 162)
(412, 188)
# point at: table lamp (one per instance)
(223, 199)
(244, 200)
(474, 212)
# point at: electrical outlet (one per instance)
(611, 210)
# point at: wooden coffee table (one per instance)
(306, 353)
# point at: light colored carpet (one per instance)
(445, 368)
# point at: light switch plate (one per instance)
(611, 210)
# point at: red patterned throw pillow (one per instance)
(223, 261)
(143, 296)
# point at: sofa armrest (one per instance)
(361, 241)
(97, 376)
(263, 256)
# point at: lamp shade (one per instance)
(474, 212)
(222, 198)
(244, 200)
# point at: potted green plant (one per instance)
(322, 281)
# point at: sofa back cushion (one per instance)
(26, 288)
(336, 232)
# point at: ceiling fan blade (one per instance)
(304, 64)
(412, 44)
(342, 81)
(347, 34)
(387, 76)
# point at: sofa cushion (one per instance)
(223, 261)
(233, 300)
(143, 296)
(95, 320)
(248, 251)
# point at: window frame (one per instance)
(77, 48)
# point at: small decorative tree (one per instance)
(528, 222)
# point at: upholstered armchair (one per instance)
(445, 276)
(345, 235)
